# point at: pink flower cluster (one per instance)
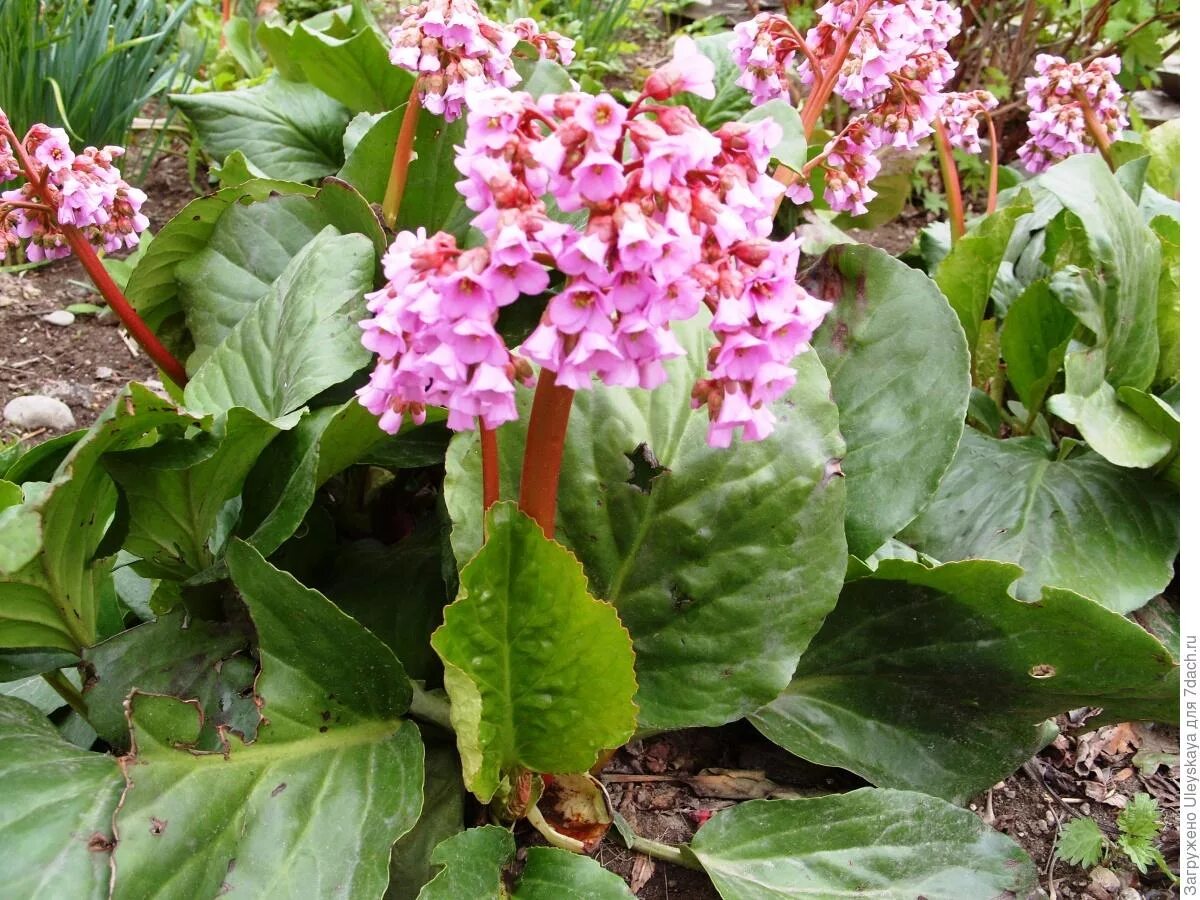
(456, 50)
(1057, 126)
(673, 217)
(83, 190)
(960, 114)
(893, 70)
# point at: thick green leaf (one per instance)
(177, 491)
(56, 819)
(52, 599)
(900, 373)
(239, 39)
(204, 661)
(473, 862)
(539, 672)
(1163, 144)
(1169, 336)
(354, 71)
(20, 525)
(792, 149)
(301, 337)
(542, 76)
(249, 247)
(1113, 430)
(553, 874)
(1034, 342)
(283, 483)
(937, 680)
(967, 273)
(290, 130)
(731, 101)
(877, 843)
(442, 811)
(722, 563)
(313, 806)
(1080, 523)
(153, 289)
(1125, 257)
(275, 35)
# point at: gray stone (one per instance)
(104, 372)
(60, 317)
(39, 411)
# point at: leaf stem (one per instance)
(491, 465)
(950, 181)
(67, 691)
(429, 707)
(400, 162)
(544, 450)
(667, 852)
(120, 305)
(1095, 128)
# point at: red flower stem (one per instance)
(954, 198)
(226, 14)
(117, 302)
(815, 104)
(1096, 129)
(544, 450)
(491, 465)
(400, 162)
(994, 180)
(21, 204)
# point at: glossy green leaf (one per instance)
(56, 819)
(1163, 144)
(792, 149)
(1034, 342)
(354, 71)
(1169, 335)
(900, 373)
(177, 490)
(731, 101)
(473, 864)
(1081, 523)
(1125, 257)
(937, 680)
(249, 247)
(722, 563)
(539, 672)
(153, 289)
(51, 601)
(313, 806)
(442, 812)
(301, 337)
(968, 271)
(1112, 429)
(878, 843)
(290, 130)
(284, 481)
(553, 874)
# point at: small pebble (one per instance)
(103, 372)
(1105, 879)
(39, 411)
(60, 317)
(1129, 894)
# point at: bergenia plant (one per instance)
(74, 203)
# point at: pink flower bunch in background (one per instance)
(886, 58)
(456, 50)
(961, 113)
(675, 217)
(83, 190)
(1057, 123)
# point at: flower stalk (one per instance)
(950, 181)
(402, 158)
(544, 451)
(1097, 131)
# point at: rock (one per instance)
(1129, 894)
(69, 392)
(60, 317)
(1106, 880)
(39, 411)
(104, 372)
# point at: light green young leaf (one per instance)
(865, 843)
(539, 672)
(1081, 843)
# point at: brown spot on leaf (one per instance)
(1043, 670)
(279, 789)
(100, 843)
(157, 826)
(833, 469)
